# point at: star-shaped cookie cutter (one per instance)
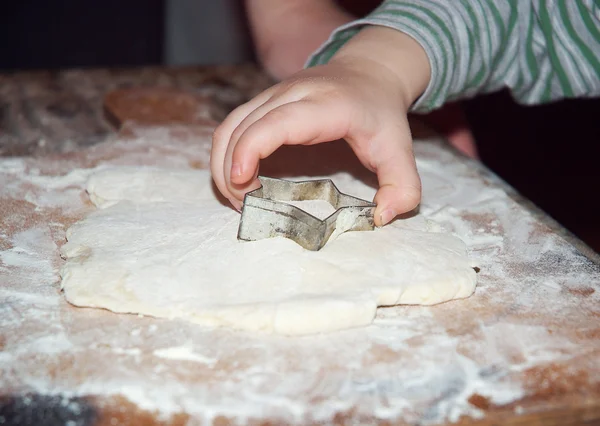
(266, 214)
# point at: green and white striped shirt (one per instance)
(542, 50)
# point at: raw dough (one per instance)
(161, 244)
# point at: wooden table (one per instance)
(524, 349)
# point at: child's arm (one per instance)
(431, 52)
(542, 50)
(286, 32)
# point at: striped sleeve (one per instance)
(541, 50)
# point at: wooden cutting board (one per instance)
(524, 349)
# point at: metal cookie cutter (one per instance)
(266, 214)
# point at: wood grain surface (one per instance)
(46, 112)
(525, 349)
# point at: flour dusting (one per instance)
(531, 323)
(183, 353)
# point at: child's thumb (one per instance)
(399, 185)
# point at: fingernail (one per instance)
(387, 216)
(236, 170)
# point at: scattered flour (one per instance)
(417, 364)
(183, 353)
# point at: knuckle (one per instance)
(276, 115)
(411, 196)
(294, 88)
(295, 84)
(237, 133)
(248, 143)
(311, 86)
(218, 134)
(408, 151)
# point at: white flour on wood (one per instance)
(526, 328)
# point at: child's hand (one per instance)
(357, 96)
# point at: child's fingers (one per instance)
(222, 137)
(236, 186)
(301, 122)
(275, 101)
(399, 182)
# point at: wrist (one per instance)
(391, 55)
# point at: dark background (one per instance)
(549, 153)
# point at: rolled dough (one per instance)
(161, 244)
